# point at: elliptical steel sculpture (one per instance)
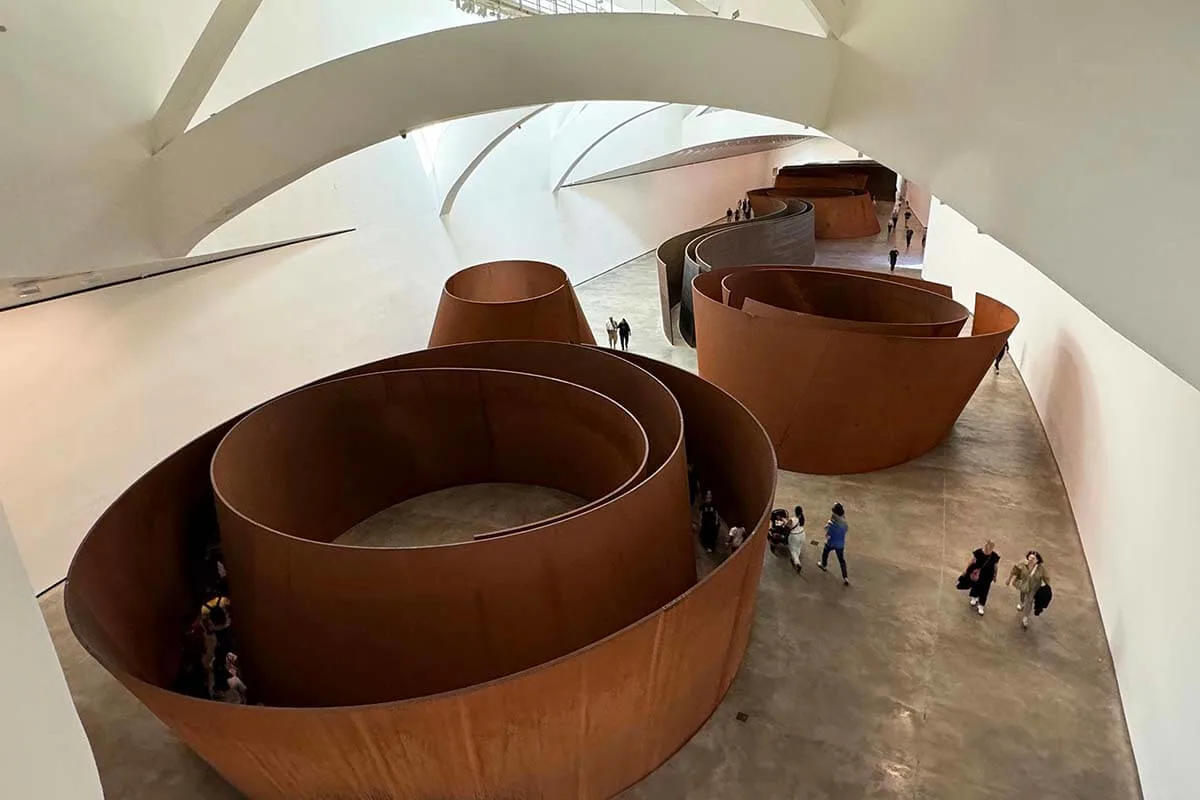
(565, 658)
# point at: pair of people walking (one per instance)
(617, 331)
(1028, 577)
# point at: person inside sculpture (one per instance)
(1030, 579)
(908, 233)
(710, 523)
(893, 254)
(729, 215)
(835, 540)
(980, 574)
(610, 328)
(737, 535)
(796, 538)
(624, 330)
(228, 685)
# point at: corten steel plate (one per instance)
(509, 300)
(566, 658)
(781, 232)
(860, 391)
(840, 212)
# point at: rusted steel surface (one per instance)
(566, 658)
(839, 212)
(840, 395)
(509, 300)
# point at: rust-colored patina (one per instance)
(509, 300)
(565, 658)
(848, 372)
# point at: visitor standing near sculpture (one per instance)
(624, 330)
(980, 574)
(835, 541)
(1000, 356)
(710, 523)
(892, 256)
(610, 328)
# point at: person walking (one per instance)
(895, 220)
(1000, 356)
(908, 232)
(980, 574)
(796, 538)
(623, 331)
(1028, 577)
(729, 215)
(893, 254)
(610, 328)
(907, 217)
(924, 236)
(710, 523)
(891, 226)
(835, 541)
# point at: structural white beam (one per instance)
(693, 7)
(566, 173)
(200, 70)
(447, 204)
(829, 14)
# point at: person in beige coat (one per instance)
(1027, 577)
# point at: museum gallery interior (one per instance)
(429, 399)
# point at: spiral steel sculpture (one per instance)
(565, 658)
(848, 371)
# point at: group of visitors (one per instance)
(786, 535)
(617, 331)
(893, 222)
(209, 666)
(740, 211)
(1028, 577)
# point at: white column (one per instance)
(44, 752)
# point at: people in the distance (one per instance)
(980, 574)
(796, 538)
(623, 330)
(1029, 577)
(710, 523)
(729, 215)
(1000, 356)
(908, 238)
(835, 540)
(610, 328)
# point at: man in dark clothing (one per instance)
(729, 215)
(924, 235)
(891, 226)
(892, 256)
(1000, 357)
(895, 218)
(623, 330)
(908, 238)
(907, 217)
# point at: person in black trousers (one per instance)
(729, 215)
(623, 331)
(1000, 357)
(980, 574)
(907, 217)
(892, 256)
(891, 226)
(908, 238)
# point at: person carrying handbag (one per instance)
(980, 574)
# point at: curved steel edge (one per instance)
(840, 400)
(501, 300)
(586, 724)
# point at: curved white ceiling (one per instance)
(278, 134)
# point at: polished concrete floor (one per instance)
(890, 688)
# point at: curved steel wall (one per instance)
(840, 395)
(509, 300)
(566, 658)
(840, 212)
(782, 232)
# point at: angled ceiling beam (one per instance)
(200, 70)
(693, 7)
(461, 180)
(830, 15)
(571, 167)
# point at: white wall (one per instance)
(43, 750)
(1065, 129)
(81, 79)
(1126, 433)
